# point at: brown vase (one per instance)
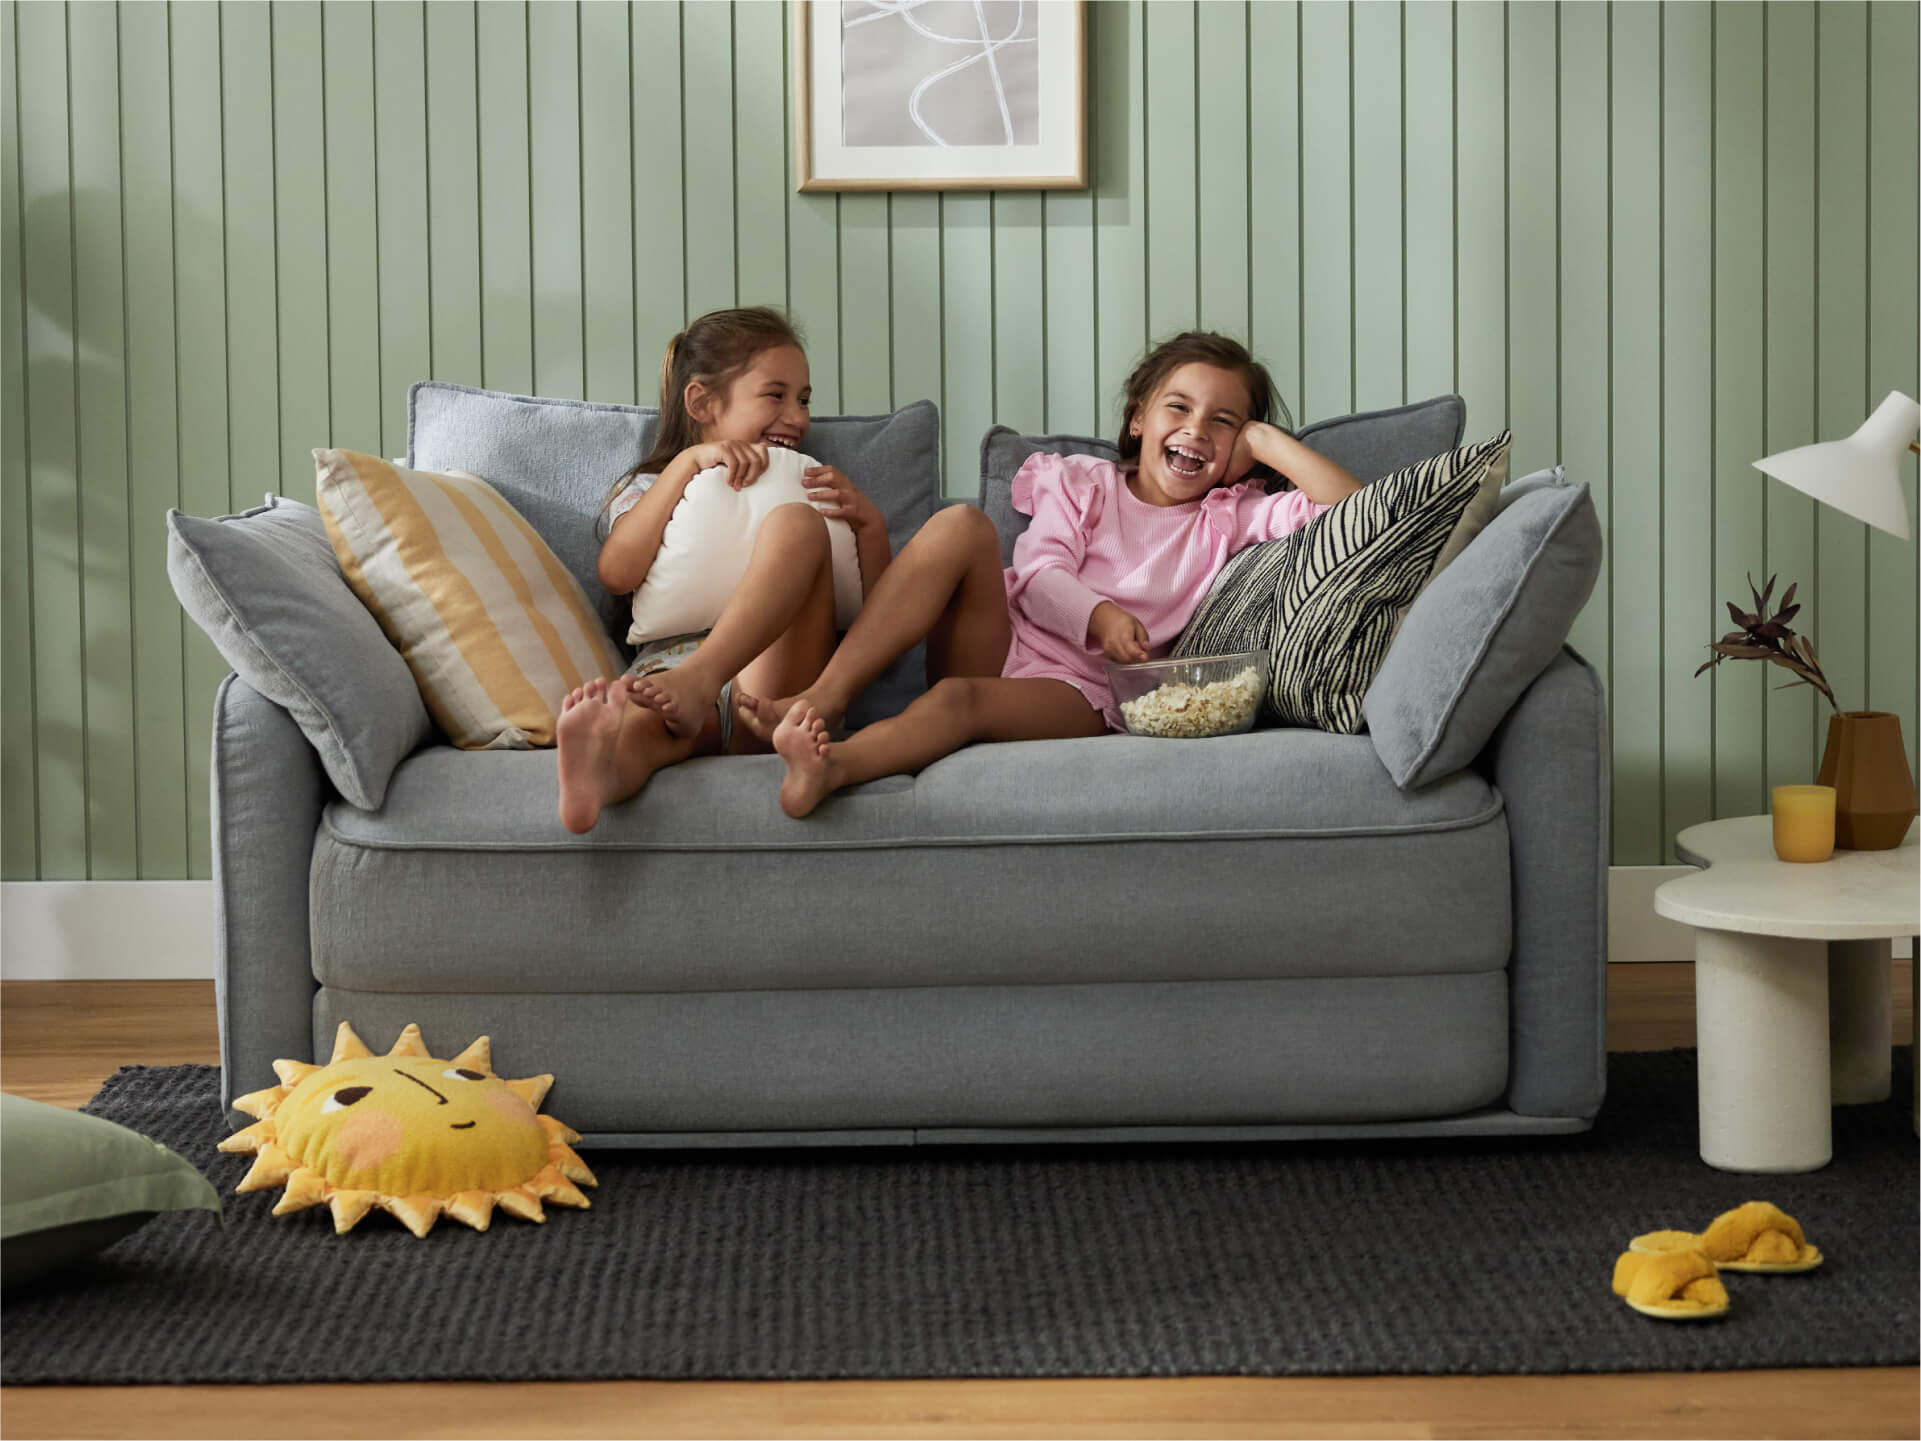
(1867, 765)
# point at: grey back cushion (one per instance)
(1369, 446)
(554, 461)
(266, 588)
(1484, 629)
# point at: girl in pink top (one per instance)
(1112, 567)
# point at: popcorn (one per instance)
(1178, 709)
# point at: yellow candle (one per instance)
(1804, 822)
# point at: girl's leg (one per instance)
(945, 586)
(795, 658)
(956, 711)
(789, 551)
(609, 745)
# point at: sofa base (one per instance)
(1487, 1121)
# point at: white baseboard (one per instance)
(106, 930)
(163, 930)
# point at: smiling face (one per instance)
(1187, 429)
(766, 403)
(406, 1126)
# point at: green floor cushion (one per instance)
(71, 1184)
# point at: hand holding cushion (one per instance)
(704, 551)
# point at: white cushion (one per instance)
(705, 549)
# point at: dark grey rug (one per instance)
(1318, 1259)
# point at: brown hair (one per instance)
(1208, 348)
(714, 350)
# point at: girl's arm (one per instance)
(1313, 474)
(631, 545)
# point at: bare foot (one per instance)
(763, 717)
(585, 735)
(801, 740)
(684, 701)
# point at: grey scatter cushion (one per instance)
(1367, 446)
(554, 461)
(1481, 633)
(1325, 602)
(265, 587)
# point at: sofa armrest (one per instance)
(1549, 759)
(268, 790)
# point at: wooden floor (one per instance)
(59, 1040)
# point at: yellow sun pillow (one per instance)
(414, 1136)
(493, 626)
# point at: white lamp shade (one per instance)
(1859, 476)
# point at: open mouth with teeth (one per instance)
(1184, 462)
(785, 442)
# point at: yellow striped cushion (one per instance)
(492, 625)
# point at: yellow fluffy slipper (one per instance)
(1671, 1285)
(1756, 1236)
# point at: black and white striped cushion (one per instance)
(1325, 602)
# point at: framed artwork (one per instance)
(940, 94)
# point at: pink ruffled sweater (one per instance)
(1092, 539)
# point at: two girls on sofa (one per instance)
(1111, 568)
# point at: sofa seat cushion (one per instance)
(1274, 854)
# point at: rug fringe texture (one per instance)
(1330, 1258)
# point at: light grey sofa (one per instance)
(1256, 936)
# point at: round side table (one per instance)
(1791, 986)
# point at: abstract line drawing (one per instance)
(904, 84)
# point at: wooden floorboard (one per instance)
(60, 1039)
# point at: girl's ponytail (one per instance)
(715, 350)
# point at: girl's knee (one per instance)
(955, 696)
(965, 525)
(796, 523)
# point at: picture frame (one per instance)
(879, 105)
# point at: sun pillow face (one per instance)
(410, 1134)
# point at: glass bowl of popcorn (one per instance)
(1201, 695)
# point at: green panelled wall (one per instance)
(1657, 240)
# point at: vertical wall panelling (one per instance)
(46, 263)
(353, 217)
(1635, 328)
(305, 381)
(1585, 351)
(253, 332)
(967, 334)
(864, 332)
(1532, 240)
(1117, 61)
(1837, 601)
(1687, 428)
(914, 282)
(1480, 224)
(402, 196)
(1172, 201)
(1894, 346)
(707, 143)
(1740, 688)
(1222, 100)
(1020, 312)
(506, 222)
(101, 392)
(453, 194)
(1656, 240)
(659, 241)
(606, 204)
(153, 439)
(1379, 343)
(1327, 250)
(1789, 341)
(1428, 179)
(19, 811)
(762, 153)
(1067, 243)
(200, 339)
(554, 178)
